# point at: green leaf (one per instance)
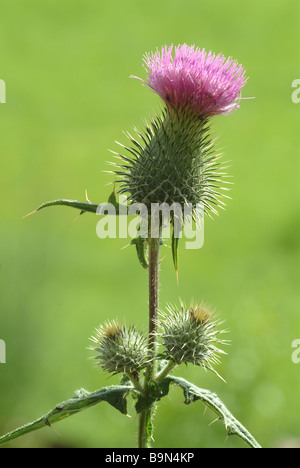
(84, 207)
(141, 246)
(113, 200)
(232, 425)
(175, 242)
(157, 391)
(115, 395)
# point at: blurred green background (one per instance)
(66, 66)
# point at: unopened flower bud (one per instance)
(189, 335)
(120, 349)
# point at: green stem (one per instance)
(153, 304)
(165, 371)
(142, 430)
(146, 416)
(135, 382)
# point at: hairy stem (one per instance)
(135, 382)
(153, 302)
(165, 371)
(145, 418)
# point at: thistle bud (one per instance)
(189, 335)
(120, 349)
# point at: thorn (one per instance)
(47, 423)
(29, 214)
(125, 246)
(177, 279)
(86, 197)
(77, 217)
(215, 420)
(54, 430)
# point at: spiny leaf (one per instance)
(115, 395)
(232, 425)
(82, 206)
(140, 243)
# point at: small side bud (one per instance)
(120, 349)
(189, 335)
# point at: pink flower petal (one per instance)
(204, 83)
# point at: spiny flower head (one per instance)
(120, 349)
(189, 335)
(204, 83)
(175, 161)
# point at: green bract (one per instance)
(174, 162)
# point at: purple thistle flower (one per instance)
(204, 83)
(174, 159)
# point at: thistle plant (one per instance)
(173, 162)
